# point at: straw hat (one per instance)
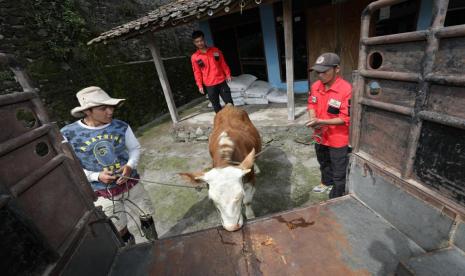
(91, 97)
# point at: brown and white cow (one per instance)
(232, 144)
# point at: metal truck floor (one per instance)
(338, 237)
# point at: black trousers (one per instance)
(333, 165)
(214, 92)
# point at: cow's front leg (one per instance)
(249, 190)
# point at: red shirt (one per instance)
(329, 104)
(209, 67)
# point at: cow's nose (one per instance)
(232, 227)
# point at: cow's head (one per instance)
(226, 189)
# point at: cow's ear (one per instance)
(247, 163)
(194, 177)
(245, 171)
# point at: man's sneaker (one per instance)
(320, 188)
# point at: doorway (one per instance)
(240, 38)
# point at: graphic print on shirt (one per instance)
(104, 152)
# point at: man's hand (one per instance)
(228, 79)
(201, 91)
(314, 122)
(125, 171)
(106, 176)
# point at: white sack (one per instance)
(277, 96)
(241, 83)
(258, 89)
(236, 94)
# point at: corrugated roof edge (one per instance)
(171, 13)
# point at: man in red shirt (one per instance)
(210, 69)
(328, 111)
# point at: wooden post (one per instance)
(288, 46)
(165, 85)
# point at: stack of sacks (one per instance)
(238, 85)
(277, 96)
(241, 83)
(256, 93)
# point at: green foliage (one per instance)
(62, 23)
(6, 75)
(52, 43)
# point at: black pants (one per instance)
(333, 165)
(214, 92)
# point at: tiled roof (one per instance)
(171, 14)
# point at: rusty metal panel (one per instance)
(96, 252)
(20, 118)
(400, 57)
(393, 92)
(450, 57)
(22, 161)
(384, 136)
(440, 160)
(448, 100)
(412, 213)
(419, 84)
(55, 211)
(327, 239)
(46, 187)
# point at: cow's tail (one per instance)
(226, 146)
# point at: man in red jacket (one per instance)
(328, 110)
(210, 69)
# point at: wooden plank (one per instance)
(165, 85)
(335, 28)
(288, 46)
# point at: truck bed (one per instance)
(338, 237)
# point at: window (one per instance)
(240, 38)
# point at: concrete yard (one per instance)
(289, 169)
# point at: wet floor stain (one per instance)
(295, 223)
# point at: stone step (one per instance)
(449, 261)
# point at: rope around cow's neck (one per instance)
(161, 183)
(176, 185)
(200, 187)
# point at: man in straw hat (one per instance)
(108, 152)
(328, 110)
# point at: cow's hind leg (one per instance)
(249, 190)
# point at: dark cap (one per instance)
(325, 62)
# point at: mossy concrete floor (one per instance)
(288, 172)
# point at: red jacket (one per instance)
(209, 68)
(332, 103)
